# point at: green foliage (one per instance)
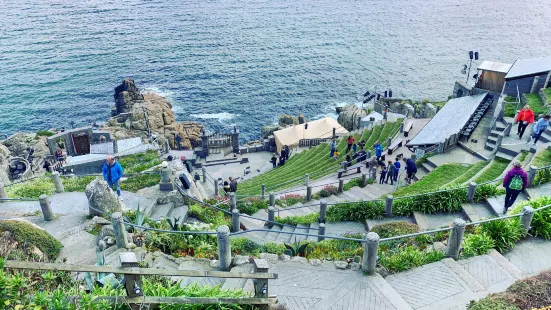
(352, 183)
(496, 168)
(32, 189)
(491, 303)
(174, 223)
(30, 236)
(208, 215)
(328, 191)
(542, 158)
(477, 244)
(251, 205)
(392, 229)
(487, 190)
(470, 173)
(505, 233)
(291, 199)
(332, 249)
(136, 163)
(244, 246)
(522, 156)
(541, 222)
(136, 182)
(536, 104)
(542, 176)
(510, 109)
(44, 133)
(358, 211)
(76, 184)
(296, 249)
(434, 180)
(547, 92)
(448, 201)
(298, 219)
(404, 258)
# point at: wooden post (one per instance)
(224, 247)
(235, 220)
(371, 246)
(308, 193)
(233, 202)
(321, 232)
(3, 194)
(261, 287)
(119, 229)
(471, 191)
(132, 282)
(531, 175)
(388, 205)
(323, 211)
(341, 185)
(456, 238)
(46, 208)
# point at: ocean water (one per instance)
(243, 62)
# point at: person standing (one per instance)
(350, 141)
(390, 172)
(515, 181)
(396, 169)
(233, 185)
(274, 161)
(333, 148)
(540, 127)
(178, 140)
(378, 150)
(411, 169)
(354, 148)
(383, 175)
(524, 118)
(112, 173)
(287, 152)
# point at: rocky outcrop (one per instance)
(196, 188)
(4, 164)
(268, 130)
(349, 117)
(19, 145)
(101, 198)
(287, 120)
(136, 112)
(301, 119)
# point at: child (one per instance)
(336, 155)
(383, 175)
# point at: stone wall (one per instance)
(461, 89)
(350, 117)
(396, 105)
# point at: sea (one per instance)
(241, 63)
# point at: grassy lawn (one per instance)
(534, 100)
(547, 92)
(438, 177)
(494, 171)
(139, 162)
(542, 159)
(439, 104)
(470, 173)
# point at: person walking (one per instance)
(515, 181)
(273, 160)
(396, 169)
(112, 173)
(233, 185)
(383, 175)
(350, 141)
(540, 127)
(333, 148)
(378, 150)
(390, 172)
(411, 169)
(524, 118)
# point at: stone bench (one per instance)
(394, 146)
(407, 128)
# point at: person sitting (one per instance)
(59, 155)
(281, 160)
(336, 155)
(361, 144)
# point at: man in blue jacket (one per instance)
(396, 169)
(378, 150)
(411, 169)
(112, 173)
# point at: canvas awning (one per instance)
(494, 66)
(321, 128)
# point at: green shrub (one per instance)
(136, 182)
(251, 205)
(541, 222)
(140, 162)
(448, 201)
(392, 229)
(45, 133)
(477, 244)
(31, 189)
(404, 258)
(244, 246)
(354, 182)
(298, 219)
(492, 302)
(434, 180)
(208, 215)
(291, 199)
(505, 233)
(76, 184)
(336, 249)
(359, 211)
(30, 236)
(328, 191)
(542, 158)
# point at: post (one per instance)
(263, 191)
(271, 216)
(204, 170)
(456, 238)
(224, 247)
(46, 208)
(165, 184)
(507, 131)
(216, 190)
(334, 132)
(413, 157)
(235, 220)
(526, 217)
(531, 175)
(388, 205)
(57, 182)
(389, 142)
(261, 287)
(233, 202)
(402, 127)
(321, 232)
(132, 282)
(471, 191)
(306, 179)
(3, 194)
(119, 229)
(498, 142)
(368, 154)
(341, 185)
(308, 193)
(364, 179)
(323, 211)
(115, 146)
(272, 199)
(371, 247)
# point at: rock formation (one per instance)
(287, 120)
(350, 115)
(140, 112)
(196, 188)
(301, 119)
(101, 198)
(19, 145)
(4, 164)
(268, 130)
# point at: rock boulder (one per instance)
(287, 120)
(101, 198)
(350, 115)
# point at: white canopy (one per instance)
(321, 128)
(494, 66)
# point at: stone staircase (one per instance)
(492, 137)
(428, 166)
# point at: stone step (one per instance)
(492, 140)
(132, 201)
(349, 196)
(331, 199)
(474, 212)
(79, 248)
(495, 133)
(161, 211)
(341, 228)
(285, 238)
(489, 146)
(540, 190)
(199, 265)
(298, 237)
(254, 223)
(238, 284)
(490, 274)
(505, 155)
(361, 194)
(179, 212)
(497, 203)
(545, 137)
(435, 221)
(274, 232)
(428, 168)
(313, 231)
(431, 163)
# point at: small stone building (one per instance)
(74, 141)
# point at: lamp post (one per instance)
(471, 56)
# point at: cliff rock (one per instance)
(287, 120)
(268, 130)
(349, 116)
(4, 164)
(101, 198)
(19, 145)
(301, 119)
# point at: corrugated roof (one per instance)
(524, 67)
(494, 66)
(450, 120)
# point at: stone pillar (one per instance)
(204, 170)
(323, 211)
(308, 193)
(165, 184)
(46, 208)
(306, 179)
(235, 140)
(233, 202)
(402, 127)
(271, 216)
(263, 191)
(526, 218)
(119, 229)
(57, 182)
(388, 205)
(531, 175)
(456, 239)
(115, 146)
(507, 131)
(364, 179)
(413, 157)
(321, 232)
(272, 199)
(389, 141)
(224, 247)
(235, 220)
(471, 191)
(204, 145)
(371, 246)
(368, 154)
(3, 194)
(499, 141)
(216, 193)
(534, 85)
(341, 186)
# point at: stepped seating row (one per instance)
(468, 129)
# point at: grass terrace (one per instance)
(547, 92)
(494, 171)
(542, 159)
(536, 104)
(440, 176)
(470, 173)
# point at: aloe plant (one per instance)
(296, 249)
(174, 224)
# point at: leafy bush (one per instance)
(31, 236)
(244, 246)
(208, 215)
(352, 183)
(392, 229)
(505, 233)
(298, 219)
(328, 191)
(296, 249)
(491, 303)
(541, 222)
(477, 244)
(31, 189)
(291, 199)
(44, 133)
(404, 258)
(140, 162)
(136, 182)
(76, 184)
(251, 205)
(336, 249)
(359, 211)
(448, 201)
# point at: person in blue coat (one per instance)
(378, 150)
(411, 169)
(396, 169)
(112, 173)
(540, 127)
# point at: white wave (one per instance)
(223, 116)
(158, 91)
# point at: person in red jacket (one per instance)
(524, 118)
